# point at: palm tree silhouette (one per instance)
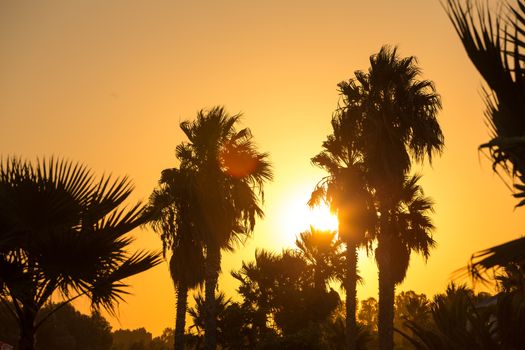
(173, 213)
(392, 116)
(198, 314)
(347, 192)
(230, 175)
(495, 47)
(258, 288)
(406, 227)
(69, 238)
(321, 249)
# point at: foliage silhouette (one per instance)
(233, 330)
(66, 329)
(126, 339)
(463, 320)
(347, 192)
(495, 46)
(392, 117)
(406, 227)
(231, 173)
(287, 296)
(173, 209)
(70, 238)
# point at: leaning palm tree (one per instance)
(495, 46)
(393, 117)
(173, 214)
(70, 237)
(346, 190)
(230, 174)
(408, 228)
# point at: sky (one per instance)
(107, 82)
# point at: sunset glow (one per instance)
(296, 217)
(107, 83)
(321, 218)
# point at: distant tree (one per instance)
(231, 173)
(127, 339)
(69, 238)
(66, 329)
(391, 116)
(165, 341)
(411, 307)
(367, 314)
(495, 45)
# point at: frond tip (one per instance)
(496, 257)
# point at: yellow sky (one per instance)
(107, 82)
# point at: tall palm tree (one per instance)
(173, 213)
(347, 192)
(494, 44)
(407, 227)
(230, 175)
(392, 115)
(69, 238)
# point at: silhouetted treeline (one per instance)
(68, 329)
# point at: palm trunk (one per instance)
(180, 319)
(213, 264)
(386, 298)
(351, 295)
(27, 330)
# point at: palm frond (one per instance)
(496, 257)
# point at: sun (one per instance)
(321, 218)
(295, 216)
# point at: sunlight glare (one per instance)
(321, 218)
(297, 217)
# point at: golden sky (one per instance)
(106, 82)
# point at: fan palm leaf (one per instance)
(67, 234)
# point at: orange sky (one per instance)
(107, 83)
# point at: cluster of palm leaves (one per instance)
(286, 300)
(387, 120)
(495, 45)
(64, 232)
(461, 319)
(207, 204)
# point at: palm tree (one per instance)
(258, 288)
(230, 174)
(321, 249)
(174, 216)
(407, 228)
(392, 116)
(69, 238)
(456, 323)
(198, 314)
(495, 46)
(346, 190)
